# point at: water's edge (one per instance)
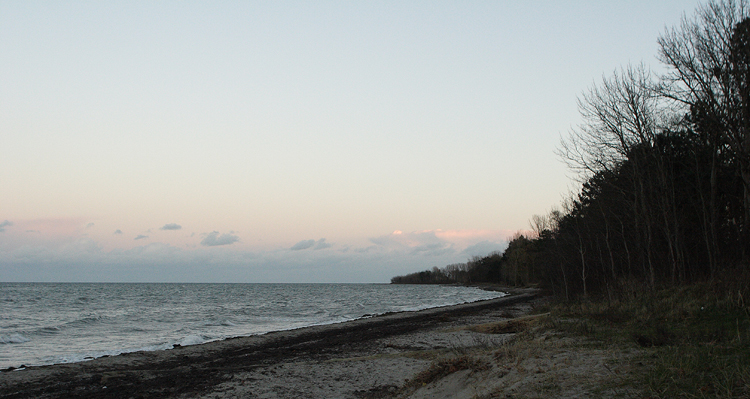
(183, 345)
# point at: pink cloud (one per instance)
(442, 239)
(470, 235)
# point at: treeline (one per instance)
(664, 166)
(476, 270)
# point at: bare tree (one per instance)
(618, 115)
(709, 58)
(539, 223)
(621, 120)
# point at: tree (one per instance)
(619, 114)
(709, 61)
(622, 118)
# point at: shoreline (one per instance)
(155, 347)
(190, 370)
(101, 333)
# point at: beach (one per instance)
(376, 357)
(262, 365)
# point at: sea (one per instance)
(50, 323)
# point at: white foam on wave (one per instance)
(192, 340)
(13, 339)
(82, 357)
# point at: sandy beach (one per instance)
(377, 357)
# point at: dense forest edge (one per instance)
(652, 254)
(663, 164)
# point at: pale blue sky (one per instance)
(258, 127)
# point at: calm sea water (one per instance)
(61, 323)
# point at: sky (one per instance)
(291, 141)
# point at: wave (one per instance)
(109, 327)
(192, 340)
(13, 339)
(218, 323)
(88, 319)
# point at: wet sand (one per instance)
(366, 358)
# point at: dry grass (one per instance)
(697, 337)
(443, 367)
(680, 342)
(511, 326)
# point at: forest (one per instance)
(663, 163)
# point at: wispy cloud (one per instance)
(442, 242)
(79, 258)
(213, 239)
(468, 237)
(4, 224)
(303, 245)
(90, 225)
(484, 248)
(418, 242)
(322, 244)
(171, 226)
(72, 256)
(50, 227)
(315, 245)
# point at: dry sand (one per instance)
(378, 357)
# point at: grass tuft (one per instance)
(697, 336)
(511, 326)
(443, 367)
